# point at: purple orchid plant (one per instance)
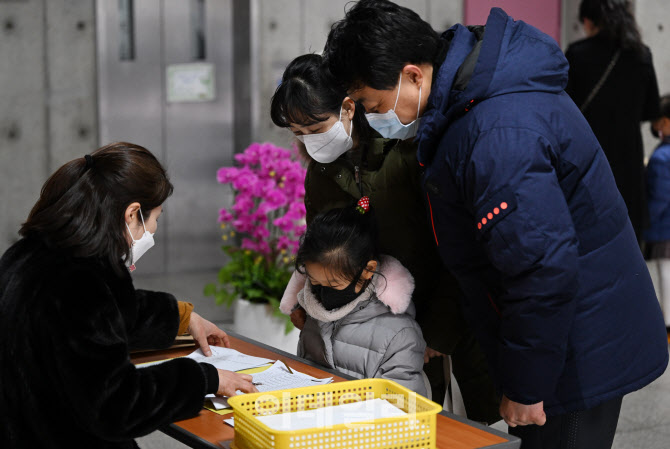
(263, 226)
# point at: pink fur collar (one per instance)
(394, 288)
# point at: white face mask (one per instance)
(389, 125)
(140, 246)
(328, 146)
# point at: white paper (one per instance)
(277, 377)
(230, 421)
(228, 359)
(218, 402)
(362, 411)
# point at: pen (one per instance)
(257, 383)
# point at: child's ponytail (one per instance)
(344, 240)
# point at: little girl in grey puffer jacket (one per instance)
(367, 333)
(373, 336)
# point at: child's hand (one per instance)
(298, 317)
(431, 353)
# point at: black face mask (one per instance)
(332, 298)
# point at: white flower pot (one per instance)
(256, 321)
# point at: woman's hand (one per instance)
(206, 333)
(430, 353)
(230, 382)
(516, 414)
(298, 317)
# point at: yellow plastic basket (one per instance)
(415, 430)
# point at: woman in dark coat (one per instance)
(70, 314)
(628, 95)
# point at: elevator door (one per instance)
(165, 82)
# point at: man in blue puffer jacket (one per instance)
(524, 208)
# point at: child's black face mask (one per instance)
(332, 298)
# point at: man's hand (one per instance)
(516, 414)
(230, 382)
(430, 353)
(298, 317)
(206, 333)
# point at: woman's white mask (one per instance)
(139, 246)
(328, 146)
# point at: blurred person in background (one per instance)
(657, 236)
(612, 80)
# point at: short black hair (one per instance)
(308, 94)
(665, 106)
(81, 207)
(374, 41)
(615, 20)
(342, 240)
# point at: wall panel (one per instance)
(23, 119)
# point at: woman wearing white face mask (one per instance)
(348, 160)
(70, 314)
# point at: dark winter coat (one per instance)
(528, 218)
(66, 379)
(628, 97)
(658, 193)
(387, 171)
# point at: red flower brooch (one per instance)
(363, 205)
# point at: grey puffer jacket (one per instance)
(373, 336)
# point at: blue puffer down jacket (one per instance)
(527, 216)
(658, 193)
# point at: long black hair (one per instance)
(341, 240)
(615, 20)
(82, 205)
(308, 94)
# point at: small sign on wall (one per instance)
(190, 83)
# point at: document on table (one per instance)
(354, 412)
(277, 377)
(228, 359)
(230, 421)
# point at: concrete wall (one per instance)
(47, 98)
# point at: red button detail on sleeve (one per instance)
(489, 216)
(496, 210)
(503, 205)
(479, 225)
(483, 220)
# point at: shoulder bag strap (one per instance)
(601, 81)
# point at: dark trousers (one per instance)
(586, 429)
